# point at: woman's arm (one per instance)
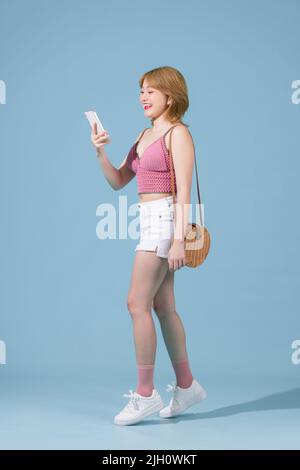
(116, 177)
(111, 173)
(183, 160)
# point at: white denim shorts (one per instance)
(156, 226)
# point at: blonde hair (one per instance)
(170, 81)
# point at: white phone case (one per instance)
(92, 118)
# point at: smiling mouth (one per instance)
(147, 106)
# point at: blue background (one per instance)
(64, 319)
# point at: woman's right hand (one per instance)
(99, 139)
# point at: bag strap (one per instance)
(172, 173)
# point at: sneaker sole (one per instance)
(154, 409)
(195, 399)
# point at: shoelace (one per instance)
(133, 399)
(172, 388)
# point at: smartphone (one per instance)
(92, 118)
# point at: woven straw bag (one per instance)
(197, 238)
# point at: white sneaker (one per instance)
(182, 398)
(139, 407)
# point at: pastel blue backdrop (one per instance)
(64, 320)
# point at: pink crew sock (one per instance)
(183, 373)
(145, 384)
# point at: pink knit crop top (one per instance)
(152, 169)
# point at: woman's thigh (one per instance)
(149, 271)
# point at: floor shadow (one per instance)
(289, 399)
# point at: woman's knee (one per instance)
(163, 309)
(135, 308)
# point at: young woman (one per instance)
(160, 252)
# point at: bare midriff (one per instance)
(152, 196)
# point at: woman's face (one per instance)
(156, 100)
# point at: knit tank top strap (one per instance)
(163, 136)
(141, 136)
(170, 129)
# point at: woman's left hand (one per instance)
(176, 255)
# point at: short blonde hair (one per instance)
(170, 81)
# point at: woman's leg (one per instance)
(148, 272)
(173, 330)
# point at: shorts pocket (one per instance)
(167, 215)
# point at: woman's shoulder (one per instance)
(181, 127)
(181, 130)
